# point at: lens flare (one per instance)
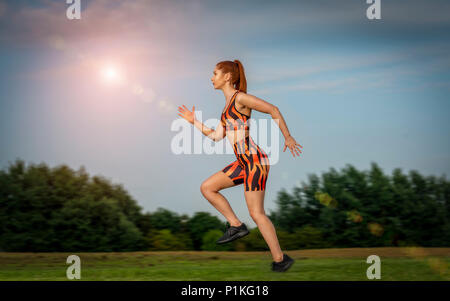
(111, 74)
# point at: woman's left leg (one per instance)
(255, 204)
(256, 171)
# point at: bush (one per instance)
(308, 237)
(254, 241)
(165, 240)
(209, 241)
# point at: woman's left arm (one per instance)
(261, 105)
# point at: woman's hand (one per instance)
(292, 144)
(186, 114)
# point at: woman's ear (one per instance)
(228, 77)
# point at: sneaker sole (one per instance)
(238, 235)
(286, 267)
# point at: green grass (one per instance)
(311, 265)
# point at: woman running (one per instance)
(251, 167)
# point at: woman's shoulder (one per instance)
(237, 100)
(239, 95)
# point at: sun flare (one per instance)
(110, 74)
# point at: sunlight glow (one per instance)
(111, 74)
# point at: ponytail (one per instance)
(241, 82)
(237, 73)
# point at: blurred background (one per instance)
(86, 108)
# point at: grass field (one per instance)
(420, 264)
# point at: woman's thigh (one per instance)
(255, 177)
(255, 202)
(235, 172)
(229, 176)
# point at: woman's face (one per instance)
(219, 79)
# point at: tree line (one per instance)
(58, 209)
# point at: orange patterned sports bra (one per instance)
(232, 119)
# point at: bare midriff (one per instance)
(235, 136)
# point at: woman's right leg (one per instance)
(210, 189)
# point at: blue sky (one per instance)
(352, 90)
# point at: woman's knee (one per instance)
(258, 215)
(206, 187)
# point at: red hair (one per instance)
(237, 73)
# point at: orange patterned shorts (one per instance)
(251, 167)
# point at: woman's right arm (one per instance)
(210, 133)
(215, 135)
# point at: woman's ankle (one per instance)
(279, 259)
(235, 224)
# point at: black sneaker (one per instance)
(233, 233)
(284, 265)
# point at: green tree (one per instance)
(88, 225)
(165, 240)
(209, 241)
(165, 219)
(308, 237)
(254, 241)
(199, 224)
(43, 209)
(354, 208)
